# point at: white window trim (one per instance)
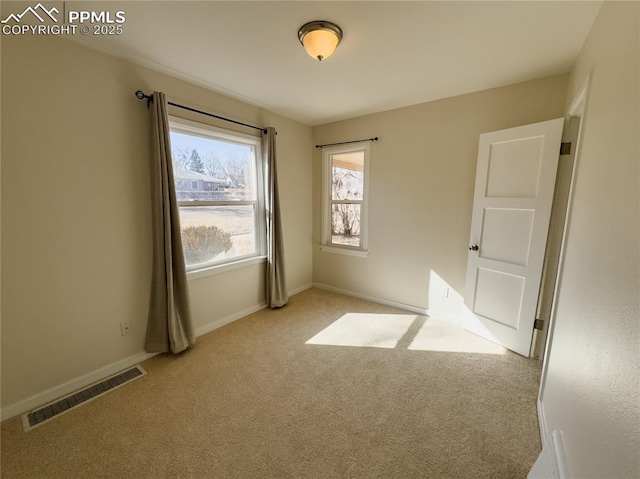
(346, 250)
(327, 246)
(189, 127)
(221, 268)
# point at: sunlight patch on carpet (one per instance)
(402, 331)
(365, 330)
(438, 335)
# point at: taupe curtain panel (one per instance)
(276, 290)
(169, 326)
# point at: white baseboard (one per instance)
(54, 393)
(551, 463)
(218, 323)
(373, 299)
(452, 318)
(445, 315)
(85, 380)
(300, 289)
(542, 422)
(561, 459)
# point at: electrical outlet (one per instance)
(125, 327)
(445, 292)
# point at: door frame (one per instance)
(554, 240)
(577, 109)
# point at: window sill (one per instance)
(346, 251)
(212, 270)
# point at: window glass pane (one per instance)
(217, 233)
(347, 177)
(345, 224)
(205, 169)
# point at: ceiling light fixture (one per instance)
(320, 38)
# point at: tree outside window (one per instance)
(345, 197)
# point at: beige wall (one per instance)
(421, 191)
(592, 387)
(75, 211)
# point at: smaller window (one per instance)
(194, 185)
(345, 192)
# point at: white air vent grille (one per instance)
(65, 404)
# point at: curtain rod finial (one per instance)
(140, 95)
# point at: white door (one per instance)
(515, 179)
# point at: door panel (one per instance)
(499, 296)
(506, 235)
(513, 195)
(514, 168)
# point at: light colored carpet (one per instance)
(254, 400)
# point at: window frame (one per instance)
(327, 200)
(204, 130)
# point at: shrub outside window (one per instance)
(218, 182)
(345, 194)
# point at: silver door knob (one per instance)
(473, 247)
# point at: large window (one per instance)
(345, 192)
(217, 176)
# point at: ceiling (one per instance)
(393, 53)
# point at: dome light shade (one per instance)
(320, 38)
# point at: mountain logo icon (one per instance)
(34, 11)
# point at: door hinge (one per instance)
(565, 148)
(538, 324)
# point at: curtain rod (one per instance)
(140, 95)
(347, 142)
